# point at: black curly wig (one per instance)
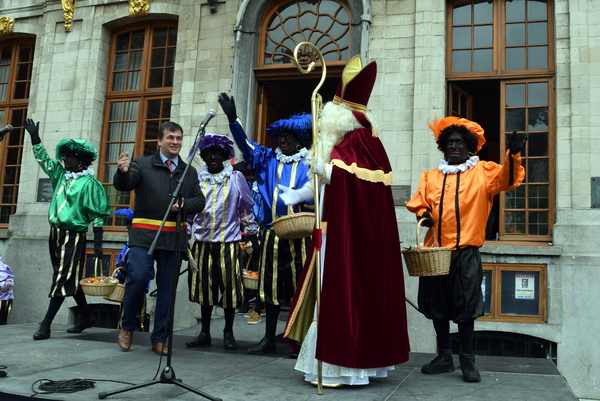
(467, 135)
(214, 149)
(86, 158)
(305, 143)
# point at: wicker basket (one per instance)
(119, 292)
(423, 262)
(294, 225)
(250, 282)
(97, 290)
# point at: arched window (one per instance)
(325, 23)
(16, 60)
(281, 89)
(138, 100)
(500, 73)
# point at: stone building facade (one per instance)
(62, 64)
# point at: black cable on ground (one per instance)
(61, 386)
(67, 386)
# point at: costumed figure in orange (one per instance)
(361, 327)
(456, 199)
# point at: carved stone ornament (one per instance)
(139, 8)
(6, 26)
(68, 10)
(213, 6)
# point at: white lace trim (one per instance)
(331, 373)
(296, 157)
(446, 168)
(76, 175)
(215, 178)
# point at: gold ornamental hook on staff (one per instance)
(316, 105)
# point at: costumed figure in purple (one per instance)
(7, 282)
(360, 330)
(216, 232)
(281, 260)
(78, 200)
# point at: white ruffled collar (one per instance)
(296, 157)
(446, 168)
(71, 174)
(255, 186)
(215, 178)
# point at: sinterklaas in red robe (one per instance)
(362, 322)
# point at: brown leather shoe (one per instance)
(124, 339)
(160, 348)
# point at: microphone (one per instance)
(209, 116)
(6, 130)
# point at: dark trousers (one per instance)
(140, 271)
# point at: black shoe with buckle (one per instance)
(202, 340)
(43, 332)
(440, 364)
(264, 346)
(82, 324)
(229, 341)
(467, 365)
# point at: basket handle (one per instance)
(291, 210)
(97, 261)
(419, 224)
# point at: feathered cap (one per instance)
(300, 124)
(222, 141)
(437, 126)
(355, 87)
(77, 148)
(240, 166)
(127, 213)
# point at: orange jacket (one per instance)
(460, 218)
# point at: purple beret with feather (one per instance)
(222, 141)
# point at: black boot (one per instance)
(43, 332)
(441, 363)
(202, 340)
(229, 341)
(264, 346)
(82, 324)
(467, 365)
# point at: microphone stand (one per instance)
(168, 374)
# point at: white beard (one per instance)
(335, 122)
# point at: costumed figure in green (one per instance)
(78, 200)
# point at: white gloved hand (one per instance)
(323, 171)
(319, 167)
(294, 196)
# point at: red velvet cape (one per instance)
(362, 321)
